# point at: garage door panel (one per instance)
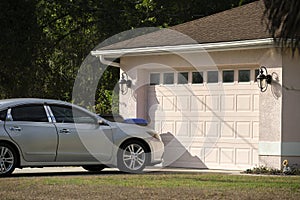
(255, 156)
(226, 155)
(221, 115)
(168, 103)
(196, 128)
(228, 129)
(228, 103)
(218, 129)
(183, 103)
(167, 127)
(212, 103)
(212, 129)
(256, 102)
(197, 103)
(243, 156)
(211, 155)
(197, 152)
(255, 129)
(182, 129)
(243, 102)
(243, 129)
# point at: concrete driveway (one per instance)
(80, 171)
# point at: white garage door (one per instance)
(208, 119)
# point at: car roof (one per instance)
(5, 103)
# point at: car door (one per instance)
(30, 127)
(81, 138)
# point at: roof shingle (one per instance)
(241, 23)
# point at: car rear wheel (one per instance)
(132, 157)
(94, 168)
(8, 159)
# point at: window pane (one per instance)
(31, 113)
(83, 117)
(197, 77)
(228, 76)
(3, 115)
(244, 75)
(212, 77)
(183, 77)
(168, 78)
(154, 79)
(62, 114)
(256, 74)
(65, 114)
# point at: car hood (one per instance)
(133, 129)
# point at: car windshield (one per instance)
(112, 117)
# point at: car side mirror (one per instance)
(102, 122)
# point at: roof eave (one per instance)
(207, 47)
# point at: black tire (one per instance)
(94, 168)
(133, 156)
(8, 159)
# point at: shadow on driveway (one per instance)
(39, 173)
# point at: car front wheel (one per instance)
(132, 157)
(8, 159)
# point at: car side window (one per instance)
(30, 113)
(3, 114)
(67, 114)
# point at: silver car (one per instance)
(43, 132)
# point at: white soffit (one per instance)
(209, 47)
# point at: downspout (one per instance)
(108, 62)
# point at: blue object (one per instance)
(138, 121)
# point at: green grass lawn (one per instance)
(151, 186)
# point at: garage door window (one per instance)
(168, 78)
(228, 76)
(244, 75)
(155, 79)
(183, 77)
(212, 77)
(197, 77)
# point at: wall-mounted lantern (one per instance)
(124, 83)
(263, 79)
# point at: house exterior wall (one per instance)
(271, 116)
(270, 120)
(290, 147)
(281, 142)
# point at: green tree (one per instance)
(44, 42)
(19, 38)
(284, 21)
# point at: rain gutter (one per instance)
(159, 50)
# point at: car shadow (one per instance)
(59, 173)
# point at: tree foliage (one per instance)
(44, 42)
(284, 21)
(19, 37)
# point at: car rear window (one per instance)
(3, 115)
(31, 113)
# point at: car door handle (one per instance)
(15, 128)
(65, 130)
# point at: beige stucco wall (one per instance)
(291, 98)
(290, 108)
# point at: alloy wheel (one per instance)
(134, 157)
(7, 160)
